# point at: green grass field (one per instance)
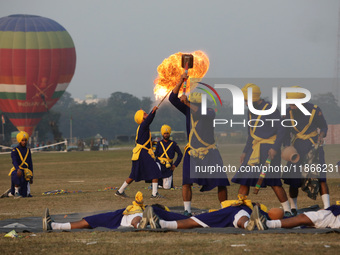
(92, 172)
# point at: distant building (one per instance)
(90, 99)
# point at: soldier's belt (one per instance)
(306, 137)
(255, 156)
(201, 152)
(136, 152)
(28, 173)
(164, 160)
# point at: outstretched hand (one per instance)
(184, 99)
(321, 139)
(155, 108)
(271, 153)
(184, 77)
(19, 173)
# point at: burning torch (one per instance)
(187, 62)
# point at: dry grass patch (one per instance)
(90, 172)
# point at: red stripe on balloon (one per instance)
(19, 62)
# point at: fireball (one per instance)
(170, 71)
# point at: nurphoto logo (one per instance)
(238, 99)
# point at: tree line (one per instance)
(115, 116)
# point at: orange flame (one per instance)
(170, 71)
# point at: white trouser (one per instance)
(324, 219)
(28, 188)
(126, 220)
(166, 181)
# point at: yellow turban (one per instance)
(137, 205)
(21, 135)
(256, 91)
(195, 97)
(165, 129)
(139, 116)
(139, 198)
(295, 95)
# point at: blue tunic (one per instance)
(304, 146)
(224, 217)
(335, 209)
(206, 132)
(269, 129)
(218, 219)
(169, 216)
(107, 220)
(112, 220)
(145, 168)
(167, 172)
(16, 161)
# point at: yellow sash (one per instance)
(164, 160)
(255, 156)
(136, 151)
(197, 152)
(301, 134)
(28, 173)
(134, 208)
(242, 200)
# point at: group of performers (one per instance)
(247, 216)
(264, 143)
(201, 146)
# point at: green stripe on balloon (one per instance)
(57, 94)
(35, 40)
(12, 96)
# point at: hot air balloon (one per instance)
(37, 63)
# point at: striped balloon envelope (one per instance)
(37, 63)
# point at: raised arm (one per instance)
(184, 76)
(148, 120)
